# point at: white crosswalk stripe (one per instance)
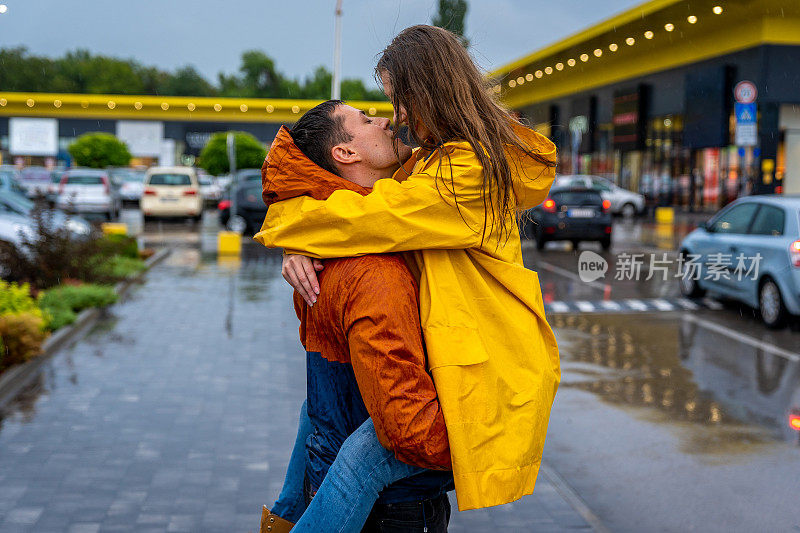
(631, 305)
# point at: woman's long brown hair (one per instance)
(435, 80)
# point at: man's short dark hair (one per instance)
(318, 131)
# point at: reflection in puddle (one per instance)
(684, 373)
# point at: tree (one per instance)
(99, 150)
(250, 153)
(451, 17)
(186, 82)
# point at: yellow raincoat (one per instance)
(492, 354)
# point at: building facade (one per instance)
(691, 102)
(37, 128)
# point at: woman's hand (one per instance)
(301, 273)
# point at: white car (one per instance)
(172, 192)
(623, 201)
(209, 187)
(88, 191)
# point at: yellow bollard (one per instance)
(229, 243)
(665, 215)
(114, 228)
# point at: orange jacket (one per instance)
(367, 315)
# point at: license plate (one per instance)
(580, 213)
(169, 199)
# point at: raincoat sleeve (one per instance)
(385, 339)
(422, 212)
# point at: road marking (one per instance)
(688, 304)
(571, 275)
(663, 305)
(611, 305)
(712, 304)
(636, 304)
(585, 306)
(741, 337)
(558, 307)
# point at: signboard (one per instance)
(628, 119)
(745, 92)
(33, 136)
(142, 137)
(746, 125)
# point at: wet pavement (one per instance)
(177, 412)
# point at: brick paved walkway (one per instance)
(177, 413)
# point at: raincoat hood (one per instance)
(288, 173)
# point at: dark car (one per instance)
(570, 214)
(250, 209)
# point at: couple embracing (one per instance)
(430, 363)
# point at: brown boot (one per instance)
(272, 523)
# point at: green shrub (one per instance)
(250, 153)
(116, 244)
(22, 334)
(78, 297)
(99, 150)
(118, 267)
(15, 298)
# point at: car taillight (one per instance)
(190, 192)
(223, 205)
(606, 205)
(794, 419)
(61, 185)
(779, 189)
(106, 186)
(149, 192)
(794, 253)
(549, 205)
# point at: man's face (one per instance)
(372, 139)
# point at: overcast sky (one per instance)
(298, 34)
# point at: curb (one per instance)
(572, 498)
(16, 379)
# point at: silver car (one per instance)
(623, 201)
(89, 191)
(750, 252)
(20, 206)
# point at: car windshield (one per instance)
(16, 202)
(205, 180)
(170, 179)
(130, 176)
(84, 180)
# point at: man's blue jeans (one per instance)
(343, 502)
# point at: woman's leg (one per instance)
(361, 470)
(291, 502)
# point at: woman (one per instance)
(492, 355)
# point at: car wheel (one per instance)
(628, 210)
(688, 284)
(605, 243)
(237, 224)
(770, 304)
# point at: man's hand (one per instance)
(301, 273)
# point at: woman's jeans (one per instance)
(363, 467)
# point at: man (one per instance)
(365, 355)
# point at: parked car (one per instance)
(209, 188)
(35, 181)
(250, 209)
(765, 226)
(18, 204)
(623, 202)
(129, 182)
(172, 192)
(570, 214)
(9, 179)
(55, 186)
(88, 191)
(12, 227)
